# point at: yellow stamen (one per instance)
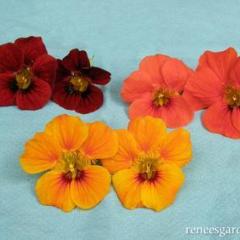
(80, 82)
(232, 96)
(23, 78)
(162, 97)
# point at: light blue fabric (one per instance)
(119, 34)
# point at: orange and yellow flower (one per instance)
(71, 150)
(147, 167)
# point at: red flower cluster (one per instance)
(29, 77)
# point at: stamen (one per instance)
(232, 96)
(23, 78)
(162, 97)
(80, 82)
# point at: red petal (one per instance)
(32, 47)
(35, 97)
(236, 118)
(45, 68)
(76, 60)
(11, 57)
(234, 78)
(98, 75)
(8, 89)
(218, 119)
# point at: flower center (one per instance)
(23, 78)
(232, 96)
(162, 97)
(80, 82)
(147, 166)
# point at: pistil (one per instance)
(232, 96)
(23, 78)
(80, 82)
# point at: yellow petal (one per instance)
(161, 192)
(101, 142)
(177, 147)
(68, 131)
(128, 188)
(90, 189)
(148, 132)
(52, 189)
(41, 153)
(126, 154)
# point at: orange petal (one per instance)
(128, 188)
(236, 118)
(101, 142)
(89, 190)
(40, 154)
(148, 131)
(177, 147)
(161, 193)
(218, 119)
(68, 131)
(127, 152)
(52, 189)
(220, 62)
(137, 84)
(152, 65)
(175, 74)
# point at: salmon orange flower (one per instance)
(216, 86)
(71, 150)
(156, 89)
(147, 167)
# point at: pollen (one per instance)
(80, 82)
(162, 97)
(23, 78)
(232, 96)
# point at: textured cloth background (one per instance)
(119, 34)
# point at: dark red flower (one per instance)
(75, 84)
(26, 73)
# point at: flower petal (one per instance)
(89, 190)
(218, 119)
(45, 68)
(11, 57)
(234, 78)
(177, 113)
(175, 74)
(76, 60)
(126, 154)
(128, 188)
(203, 89)
(35, 97)
(68, 131)
(177, 147)
(99, 75)
(236, 118)
(137, 84)
(41, 153)
(101, 142)
(8, 89)
(32, 47)
(152, 65)
(161, 193)
(52, 189)
(219, 62)
(148, 132)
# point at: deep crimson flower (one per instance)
(75, 84)
(26, 73)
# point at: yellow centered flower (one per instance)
(232, 96)
(80, 82)
(23, 78)
(147, 167)
(162, 97)
(70, 149)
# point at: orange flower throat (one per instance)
(80, 82)
(23, 78)
(232, 96)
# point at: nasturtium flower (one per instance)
(215, 86)
(157, 88)
(27, 73)
(70, 151)
(147, 167)
(75, 84)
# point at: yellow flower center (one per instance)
(23, 78)
(162, 97)
(232, 96)
(80, 82)
(147, 165)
